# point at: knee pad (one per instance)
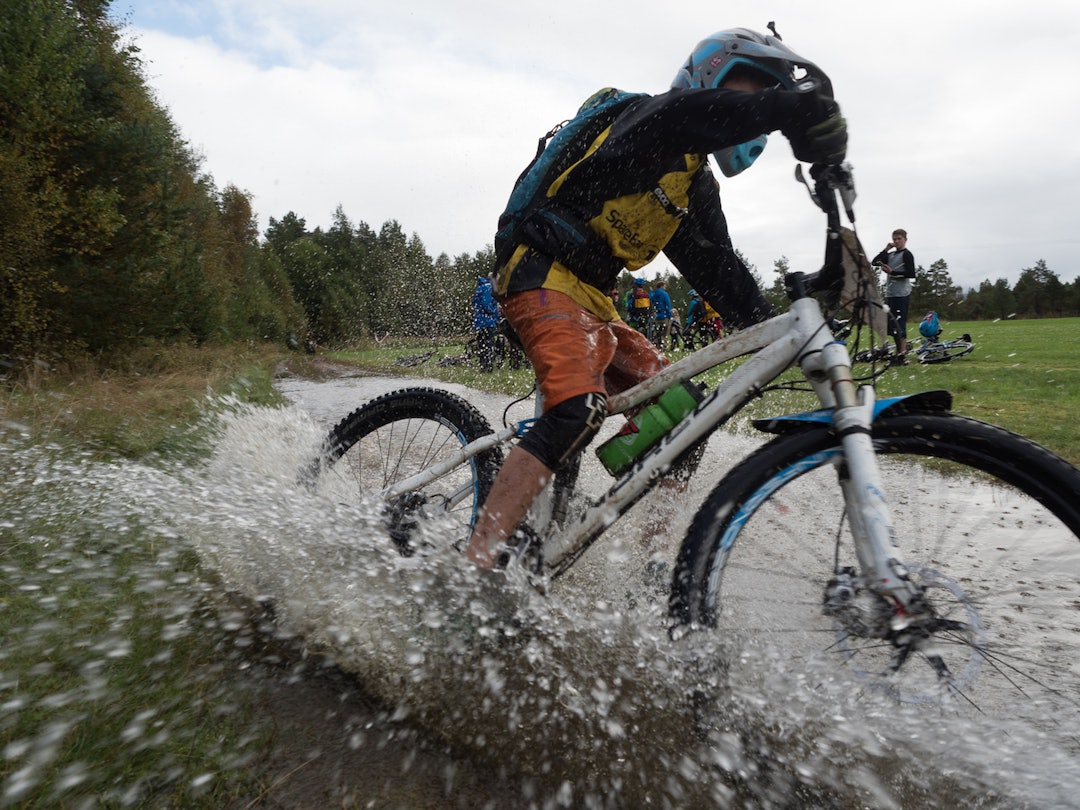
(565, 429)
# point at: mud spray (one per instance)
(577, 698)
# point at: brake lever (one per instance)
(837, 178)
(845, 184)
(810, 190)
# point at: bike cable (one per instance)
(516, 401)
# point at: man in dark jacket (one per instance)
(898, 265)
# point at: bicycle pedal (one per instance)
(524, 545)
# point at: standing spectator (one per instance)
(676, 330)
(898, 264)
(485, 319)
(661, 307)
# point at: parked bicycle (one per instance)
(932, 349)
(832, 542)
(506, 351)
(881, 352)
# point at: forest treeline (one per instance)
(112, 235)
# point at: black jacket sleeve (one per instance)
(701, 121)
(701, 250)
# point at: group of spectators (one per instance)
(652, 313)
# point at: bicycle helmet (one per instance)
(716, 57)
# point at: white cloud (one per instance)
(425, 111)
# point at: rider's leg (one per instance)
(569, 348)
(485, 338)
(898, 309)
(522, 477)
(558, 436)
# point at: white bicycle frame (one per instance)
(797, 336)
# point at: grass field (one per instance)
(1023, 376)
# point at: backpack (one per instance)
(638, 305)
(557, 151)
(930, 326)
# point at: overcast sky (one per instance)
(963, 116)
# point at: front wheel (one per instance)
(400, 434)
(987, 526)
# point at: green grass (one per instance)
(148, 402)
(1023, 376)
(119, 679)
(117, 676)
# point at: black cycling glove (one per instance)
(817, 131)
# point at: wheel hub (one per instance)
(855, 607)
(860, 613)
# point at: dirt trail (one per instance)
(334, 745)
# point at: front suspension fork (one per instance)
(867, 511)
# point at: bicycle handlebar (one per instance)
(831, 181)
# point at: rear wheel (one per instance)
(400, 434)
(876, 354)
(987, 526)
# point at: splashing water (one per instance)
(576, 698)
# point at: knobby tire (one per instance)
(396, 436)
(986, 521)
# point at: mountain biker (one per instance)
(698, 322)
(643, 188)
(695, 309)
(485, 319)
(661, 307)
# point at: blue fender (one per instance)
(925, 402)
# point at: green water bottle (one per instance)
(646, 428)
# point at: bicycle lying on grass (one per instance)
(505, 350)
(935, 350)
(857, 535)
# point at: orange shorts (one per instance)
(574, 352)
